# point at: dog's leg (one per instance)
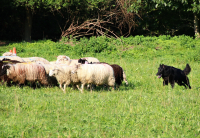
(182, 84)
(166, 82)
(163, 83)
(172, 83)
(187, 82)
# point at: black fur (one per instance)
(171, 75)
(82, 60)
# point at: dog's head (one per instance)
(160, 71)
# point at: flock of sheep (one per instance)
(64, 71)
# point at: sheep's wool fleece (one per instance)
(29, 71)
(8, 54)
(63, 75)
(91, 59)
(36, 59)
(62, 59)
(12, 58)
(98, 74)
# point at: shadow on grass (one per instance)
(123, 87)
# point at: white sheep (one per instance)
(98, 74)
(62, 74)
(8, 54)
(52, 62)
(36, 59)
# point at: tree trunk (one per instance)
(28, 25)
(196, 26)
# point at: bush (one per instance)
(94, 45)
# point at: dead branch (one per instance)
(94, 27)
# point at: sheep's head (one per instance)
(63, 60)
(67, 58)
(53, 72)
(6, 69)
(82, 61)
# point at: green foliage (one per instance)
(184, 5)
(58, 4)
(94, 45)
(138, 47)
(42, 3)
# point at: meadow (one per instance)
(144, 108)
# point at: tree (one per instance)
(183, 5)
(31, 6)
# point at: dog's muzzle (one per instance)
(160, 76)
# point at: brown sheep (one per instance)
(33, 72)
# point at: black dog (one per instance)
(171, 74)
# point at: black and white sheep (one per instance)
(62, 59)
(88, 60)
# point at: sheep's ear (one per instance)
(67, 58)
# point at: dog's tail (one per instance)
(187, 69)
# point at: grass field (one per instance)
(144, 108)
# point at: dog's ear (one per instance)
(163, 65)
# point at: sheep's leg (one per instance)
(124, 78)
(61, 87)
(78, 87)
(113, 88)
(33, 85)
(82, 85)
(64, 88)
(90, 87)
(74, 86)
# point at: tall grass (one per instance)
(144, 108)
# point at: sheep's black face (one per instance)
(82, 61)
(160, 71)
(4, 70)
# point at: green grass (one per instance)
(144, 108)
